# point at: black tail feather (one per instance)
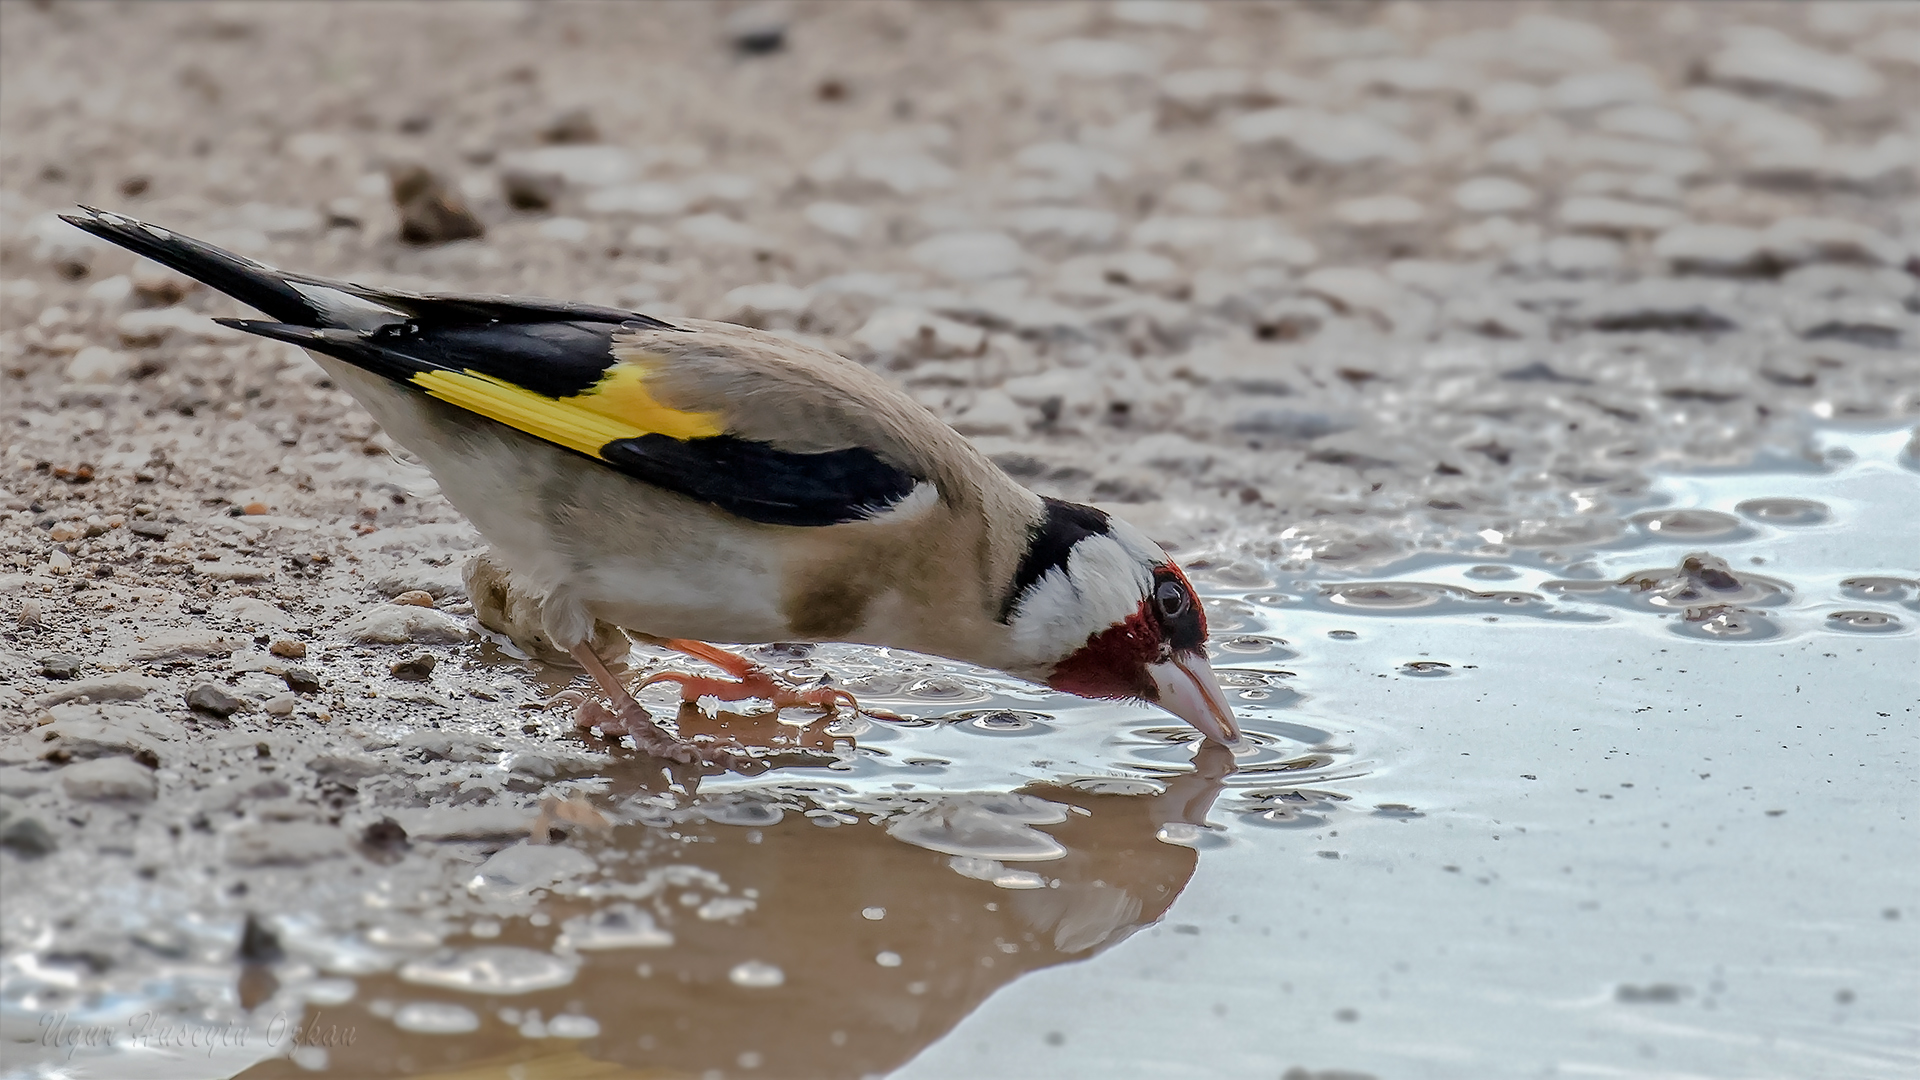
(243, 279)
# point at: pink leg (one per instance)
(749, 680)
(628, 718)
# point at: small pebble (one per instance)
(415, 598)
(60, 665)
(300, 680)
(431, 211)
(109, 778)
(416, 668)
(279, 705)
(208, 698)
(288, 649)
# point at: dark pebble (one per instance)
(418, 668)
(152, 530)
(208, 698)
(301, 681)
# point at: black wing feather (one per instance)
(551, 347)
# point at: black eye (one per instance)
(1172, 598)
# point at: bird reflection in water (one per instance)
(858, 948)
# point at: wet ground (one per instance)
(1640, 808)
(1531, 390)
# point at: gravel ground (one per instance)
(1315, 283)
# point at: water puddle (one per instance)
(1633, 799)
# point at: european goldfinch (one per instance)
(700, 481)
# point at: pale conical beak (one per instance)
(1189, 691)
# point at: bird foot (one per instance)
(648, 737)
(753, 682)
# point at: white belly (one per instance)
(599, 544)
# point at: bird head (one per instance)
(1104, 613)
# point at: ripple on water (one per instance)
(435, 1018)
(1250, 646)
(491, 969)
(1891, 589)
(1002, 722)
(1689, 524)
(1426, 669)
(1785, 511)
(1863, 622)
(1424, 598)
(1726, 622)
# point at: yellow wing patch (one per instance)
(617, 407)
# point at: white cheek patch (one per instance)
(1102, 585)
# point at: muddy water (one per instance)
(1644, 808)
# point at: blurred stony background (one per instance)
(1389, 272)
(1324, 281)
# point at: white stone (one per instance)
(1098, 58)
(1492, 195)
(837, 218)
(578, 166)
(970, 255)
(1073, 163)
(911, 332)
(650, 199)
(1798, 240)
(566, 230)
(757, 305)
(1509, 99)
(1588, 214)
(1080, 226)
(402, 624)
(1379, 211)
(718, 230)
(992, 413)
(110, 292)
(1764, 58)
(99, 364)
(1174, 14)
(1326, 138)
(152, 326)
(1711, 249)
(1647, 122)
(1582, 255)
(1586, 90)
(1205, 90)
(109, 778)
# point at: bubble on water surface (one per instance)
(1700, 581)
(520, 869)
(617, 926)
(1785, 511)
(1726, 623)
(1863, 622)
(1187, 834)
(1385, 596)
(1426, 669)
(491, 969)
(1002, 721)
(993, 870)
(1248, 645)
(1898, 590)
(1688, 524)
(435, 1018)
(1492, 573)
(756, 975)
(1343, 635)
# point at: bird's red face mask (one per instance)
(1156, 654)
